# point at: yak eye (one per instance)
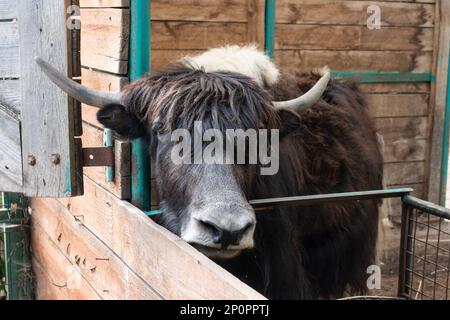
(158, 127)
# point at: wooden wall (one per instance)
(98, 246)
(311, 34)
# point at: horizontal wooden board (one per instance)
(8, 9)
(398, 105)
(10, 94)
(105, 39)
(350, 60)
(97, 264)
(323, 37)
(405, 150)
(9, 49)
(199, 10)
(394, 129)
(121, 184)
(402, 173)
(353, 12)
(396, 88)
(57, 278)
(163, 58)
(172, 267)
(197, 35)
(104, 3)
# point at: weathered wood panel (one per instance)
(402, 173)
(398, 105)
(11, 153)
(57, 278)
(197, 35)
(104, 39)
(104, 3)
(97, 264)
(292, 36)
(403, 150)
(402, 128)
(10, 94)
(173, 268)
(256, 16)
(47, 119)
(396, 88)
(8, 9)
(350, 60)
(163, 58)
(439, 100)
(200, 10)
(9, 49)
(353, 12)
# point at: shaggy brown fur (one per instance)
(300, 252)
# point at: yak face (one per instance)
(206, 204)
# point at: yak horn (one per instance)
(85, 95)
(309, 98)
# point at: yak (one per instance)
(327, 144)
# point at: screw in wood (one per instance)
(56, 159)
(31, 160)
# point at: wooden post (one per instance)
(438, 103)
(256, 22)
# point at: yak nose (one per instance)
(224, 236)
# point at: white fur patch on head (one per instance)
(247, 60)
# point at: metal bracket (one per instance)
(98, 157)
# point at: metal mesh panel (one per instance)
(425, 261)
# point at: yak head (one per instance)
(204, 192)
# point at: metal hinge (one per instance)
(98, 157)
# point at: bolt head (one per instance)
(31, 160)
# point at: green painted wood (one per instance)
(139, 66)
(385, 77)
(445, 145)
(269, 28)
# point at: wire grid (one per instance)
(427, 256)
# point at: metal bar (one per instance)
(268, 204)
(98, 157)
(427, 207)
(385, 77)
(140, 65)
(269, 28)
(445, 144)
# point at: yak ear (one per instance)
(117, 118)
(290, 121)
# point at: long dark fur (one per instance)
(301, 252)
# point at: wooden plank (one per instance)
(99, 81)
(9, 49)
(400, 150)
(172, 267)
(121, 184)
(104, 3)
(199, 10)
(398, 105)
(97, 264)
(402, 173)
(104, 39)
(292, 36)
(163, 58)
(350, 60)
(439, 100)
(47, 113)
(197, 35)
(10, 94)
(8, 9)
(396, 88)
(64, 281)
(11, 155)
(402, 128)
(353, 13)
(256, 20)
